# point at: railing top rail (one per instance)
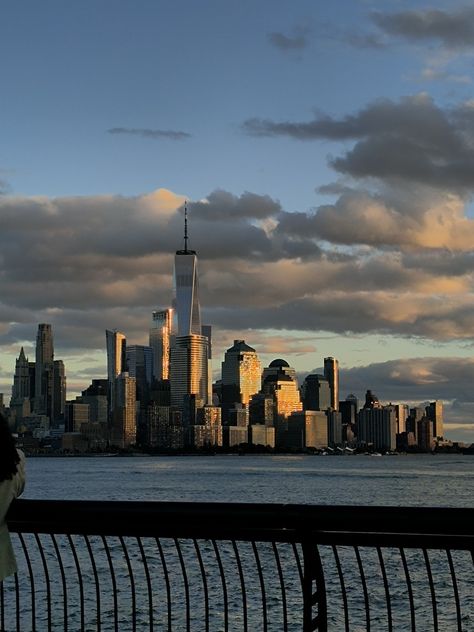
(396, 526)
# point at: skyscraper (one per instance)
(44, 371)
(188, 370)
(434, 412)
(189, 359)
(241, 375)
(186, 290)
(59, 392)
(116, 360)
(316, 392)
(331, 373)
(124, 419)
(160, 340)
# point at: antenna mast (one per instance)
(186, 226)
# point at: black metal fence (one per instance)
(242, 567)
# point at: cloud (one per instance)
(454, 30)
(412, 139)
(155, 134)
(413, 379)
(288, 43)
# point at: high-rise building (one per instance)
(189, 358)
(331, 373)
(286, 396)
(186, 289)
(188, 370)
(160, 341)
(96, 396)
(377, 426)
(21, 380)
(59, 392)
(44, 371)
(139, 362)
(241, 376)
(124, 420)
(116, 360)
(434, 412)
(316, 392)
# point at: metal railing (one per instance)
(245, 567)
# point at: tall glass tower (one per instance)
(189, 357)
(186, 299)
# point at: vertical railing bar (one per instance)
(455, 589)
(132, 582)
(298, 562)
(410, 590)
(224, 586)
(63, 580)
(242, 584)
(46, 575)
(343, 587)
(96, 580)
(148, 581)
(386, 588)
(114, 582)
(313, 573)
(167, 580)
(432, 589)
(364, 588)
(17, 602)
(204, 583)
(32, 581)
(79, 576)
(262, 585)
(282, 585)
(186, 584)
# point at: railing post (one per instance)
(315, 615)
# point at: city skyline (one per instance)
(326, 156)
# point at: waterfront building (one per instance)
(260, 434)
(241, 377)
(316, 392)
(124, 421)
(377, 427)
(426, 438)
(434, 412)
(234, 435)
(308, 429)
(207, 432)
(164, 427)
(334, 421)
(160, 342)
(331, 373)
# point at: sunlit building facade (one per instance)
(189, 370)
(434, 412)
(124, 427)
(160, 341)
(116, 360)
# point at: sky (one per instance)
(326, 151)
